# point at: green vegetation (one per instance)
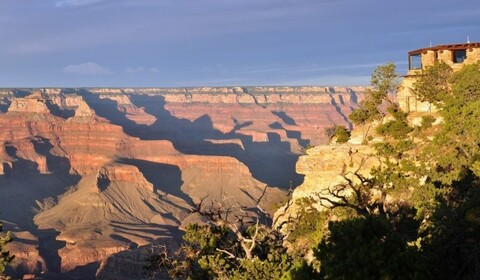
(342, 134)
(427, 121)
(394, 128)
(434, 84)
(416, 216)
(365, 248)
(384, 82)
(215, 252)
(5, 256)
(339, 132)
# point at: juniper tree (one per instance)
(384, 82)
(5, 256)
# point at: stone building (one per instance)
(454, 55)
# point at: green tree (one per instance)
(433, 85)
(342, 134)
(5, 256)
(232, 245)
(450, 239)
(366, 248)
(466, 82)
(384, 82)
(427, 121)
(213, 252)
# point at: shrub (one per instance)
(427, 121)
(5, 256)
(342, 134)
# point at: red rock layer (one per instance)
(85, 189)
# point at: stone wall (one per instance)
(473, 55)
(407, 100)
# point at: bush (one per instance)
(5, 256)
(395, 128)
(427, 121)
(342, 134)
(365, 248)
(433, 85)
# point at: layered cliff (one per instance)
(87, 173)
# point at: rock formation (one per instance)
(88, 173)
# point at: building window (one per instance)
(459, 56)
(415, 62)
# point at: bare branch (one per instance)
(260, 199)
(230, 255)
(254, 237)
(287, 206)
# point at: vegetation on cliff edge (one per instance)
(416, 216)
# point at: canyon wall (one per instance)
(87, 173)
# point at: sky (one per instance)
(184, 43)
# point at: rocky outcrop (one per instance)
(28, 105)
(324, 167)
(132, 112)
(27, 257)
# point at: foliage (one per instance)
(450, 240)
(329, 131)
(433, 85)
(307, 227)
(213, 252)
(455, 149)
(427, 121)
(365, 248)
(301, 270)
(342, 134)
(5, 256)
(398, 128)
(308, 220)
(273, 267)
(394, 128)
(384, 81)
(466, 83)
(368, 110)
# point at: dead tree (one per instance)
(236, 218)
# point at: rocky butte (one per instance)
(88, 173)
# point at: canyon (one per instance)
(91, 173)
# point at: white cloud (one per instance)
(89, 68)
(66, 3)
(133, 70)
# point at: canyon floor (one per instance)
(88, 173)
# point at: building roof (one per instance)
(446, 47)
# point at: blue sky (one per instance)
(166, 43)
